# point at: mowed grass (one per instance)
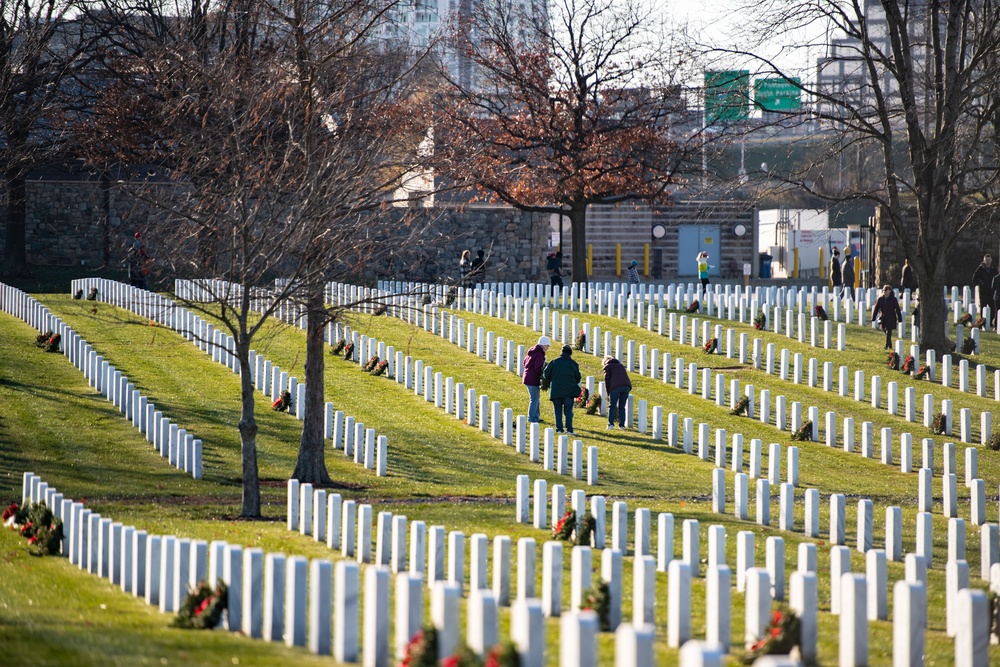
(441, 471)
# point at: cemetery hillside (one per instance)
(783, 492)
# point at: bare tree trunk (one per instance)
(248, 437)
(933, 313)
(578, 225)
(311, 464)
(15, 256)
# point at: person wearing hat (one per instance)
(562, 376)
(633, 275)
(534, 363)
(618, 385)
(703, 268)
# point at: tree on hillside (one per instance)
(919, 98)
(279, 139)
(41, 51)
(554, 113)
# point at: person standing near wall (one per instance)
(465, 268)
(836, 277)
(138, 263)
(633, 276)
(703, 268)
(847, 273)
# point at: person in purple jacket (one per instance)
(534, 362)
(618, 386)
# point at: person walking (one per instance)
(562, 377)
(465, 268)
(618, 385)
(703, 268)
(534, 364)
(847, 274)
(888, 306)
(996, 299)
(633, 276)
(836, 278)
(983, 281)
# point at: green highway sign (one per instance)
(778, 95)
(727, 96)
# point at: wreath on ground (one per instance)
(48, 341)
(563, 530)
(78, 295)
(370, 364)
(36, 523)
(581, 400)
(338, 347)
(380, 368)
(804, 433)
(760, 321)
(585, 531)
(968, 346)
(202, 608)
(283, 403)
(742, 407)
(908, 363)
(980, 323)
(783, 634)
(994, 442)
(923, 372)
(821, 313)
(349, 351)
(422, 649)
(694, 307)
(598, 600)
(581, 342)
(711, 346)
(893, 361)
(594, 404)
(381, 310)
(994, 624)
(940, 424)
(93, 294)
(965, 320)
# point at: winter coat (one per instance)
(891, 314)
(615, 376)
(563, 377)
(996, 289)
(534, 363)
(847, 271)
(835, 275)
(909, 280)
(983, 280)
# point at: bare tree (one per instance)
(916, 95)
(551, 114)
(41, 51)
(280, 150)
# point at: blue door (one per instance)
(693, 239)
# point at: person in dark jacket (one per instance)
(534, 364)
(983, 280)
(909, 280)
(835, 276)
(618, 386)
(847, 274)
(888, 306)
(996, 299)
(562, 376)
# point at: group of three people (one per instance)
(561, 377)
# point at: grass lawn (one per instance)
(441, 471)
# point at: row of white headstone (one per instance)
(181, 448)
(892, 393)
(267, 377)
(554, 451)
(411, 550)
